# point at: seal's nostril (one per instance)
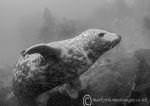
(101, 34)
(119, 37)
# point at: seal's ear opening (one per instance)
(49, 53)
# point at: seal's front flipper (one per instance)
(43, 98)
(70, 88)
(73, 87)
(72, 91)
(59, 89)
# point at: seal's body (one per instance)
(45, 66)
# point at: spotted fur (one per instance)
(45, 66)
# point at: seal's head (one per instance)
(103, 40)
(96, 42)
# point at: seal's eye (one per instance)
(101, 34)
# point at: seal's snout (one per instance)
(110, 37)
(118, 38)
